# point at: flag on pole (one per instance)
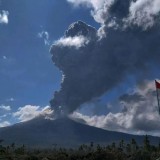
(157, 85)
(158, 94)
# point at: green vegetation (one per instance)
(119, 151)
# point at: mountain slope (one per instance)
(64, 132)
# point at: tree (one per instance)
(121, 144)
(128, 148)
(133, 145)
(146, 143)
(113, 146)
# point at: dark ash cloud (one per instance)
(93, 62)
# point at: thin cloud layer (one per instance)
(11, 99)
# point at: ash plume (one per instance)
(95, 61)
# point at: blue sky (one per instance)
(28, 77)
(27, 73)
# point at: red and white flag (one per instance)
(157, 84)
(158, 94)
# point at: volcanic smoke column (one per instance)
(87, 67)
(72, 57)
(93, 62)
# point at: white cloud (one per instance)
(10, 99)
(7, 108)
(142, 12)
(45, 36)
(139, 114)
(4, 124)
(89, 3)
(3, 116)
(29, 112)
(4, 17)
(100, 7)
(96, 121)
(4, 57)
(77, 41)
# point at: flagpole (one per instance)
(157, 98)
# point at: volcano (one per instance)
(63, 132)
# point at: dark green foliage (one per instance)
(146, 146)
(119, 151)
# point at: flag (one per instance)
(158, 94)
(157, 85)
